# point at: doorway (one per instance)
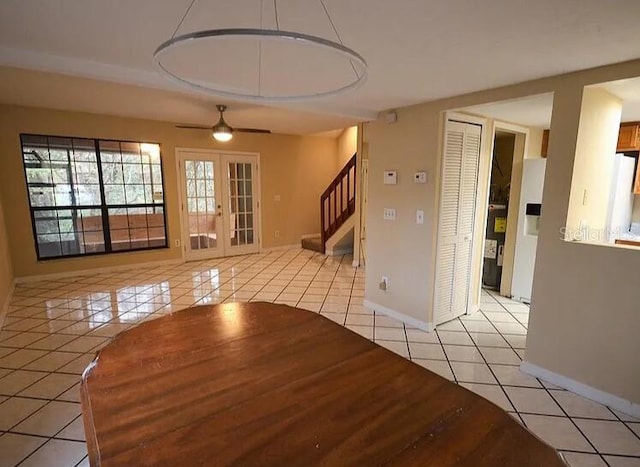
(504, 209)
(497, 209)
(220, 203)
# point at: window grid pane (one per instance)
(241, 203)
(75, 191)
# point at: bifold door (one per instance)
(458, 195)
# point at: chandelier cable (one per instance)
(335, 30)
(260, 50)
(186, 13)
(275, 8)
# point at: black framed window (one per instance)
(92, 196)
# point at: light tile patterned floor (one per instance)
(54, 327)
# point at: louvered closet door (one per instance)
(457, 215)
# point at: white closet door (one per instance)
(458, 197)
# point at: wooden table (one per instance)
(263, 384)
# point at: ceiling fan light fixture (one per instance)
(221, 131)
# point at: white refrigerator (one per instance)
(533, 171)
(621, 198)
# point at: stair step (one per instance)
(313, 244)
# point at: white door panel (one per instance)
(241, 189)
(458, 196)
(219, 203)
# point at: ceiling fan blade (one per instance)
(193, 127)
(239, 130)
(252, 130)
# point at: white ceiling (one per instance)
(532, 111)
(629, 91)
(417, 50)
(535, 111)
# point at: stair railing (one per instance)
(338, 202)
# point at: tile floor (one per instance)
(54, 327)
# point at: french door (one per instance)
(458, 196)
(219, 204)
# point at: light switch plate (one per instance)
(389, 214)
(420, 177)
(419, 216)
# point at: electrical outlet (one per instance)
(276, 234)
(384, 283)
(176, 242)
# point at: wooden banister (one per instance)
(338, 202)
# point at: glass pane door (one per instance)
(202, 216)
(242, 204)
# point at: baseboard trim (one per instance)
(410, 320)
(282, 248)
(313, 235)
(99, 270)
(7, 301)
(610, 400)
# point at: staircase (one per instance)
(337, 205)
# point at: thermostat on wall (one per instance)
(390, 177)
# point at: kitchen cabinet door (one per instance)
(628, 137)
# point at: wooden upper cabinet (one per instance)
(545, 143)
(636, 185)
(628, 140)
(629, 137)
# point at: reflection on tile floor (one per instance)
(54, 327)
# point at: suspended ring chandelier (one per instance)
(357, 63)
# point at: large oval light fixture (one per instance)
(356, 63)
(221, 131)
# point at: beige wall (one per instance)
(402, 250)
(593, 166)
(584, 311)
(298, 168)
(347, 146)
(6, 272)
(584, 314)
(534, 150)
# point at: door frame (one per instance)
(179, 152)
(480, 218)
(513, 213)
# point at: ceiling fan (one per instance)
(221, 131)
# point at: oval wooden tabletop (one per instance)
(264, 384)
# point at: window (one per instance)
(91, 196)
